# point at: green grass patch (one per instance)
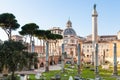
(85, 73)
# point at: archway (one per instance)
(42, 64)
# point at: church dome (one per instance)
(69, 30)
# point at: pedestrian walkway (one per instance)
(41, 70)
(52, 67)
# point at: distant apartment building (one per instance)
(105, 48)
(17, 38)
(55, 45)
(56, 30)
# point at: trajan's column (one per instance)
(94, 26)
(94, 32)
(95, 39)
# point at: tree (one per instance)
(8, 23)
(55, 38)
(40, 35)
(45, 35)
(29, 29)
(48, 37)
(0, 57)
(30, 56)
(11, 54)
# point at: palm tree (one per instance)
(8, 23)
(11, 54)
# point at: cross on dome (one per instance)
(69, 24)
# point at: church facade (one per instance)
(70, 40)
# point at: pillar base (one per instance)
(115, 74)
(63, 70)
(98, 78)
(46, 69)
(32, 67)
(92, 63)
(78, 69)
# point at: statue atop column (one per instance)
(94, 6)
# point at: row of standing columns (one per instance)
(95, 59)
(115, 73)
(79, 58)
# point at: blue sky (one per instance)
(55, 13)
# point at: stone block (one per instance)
(106, 67)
